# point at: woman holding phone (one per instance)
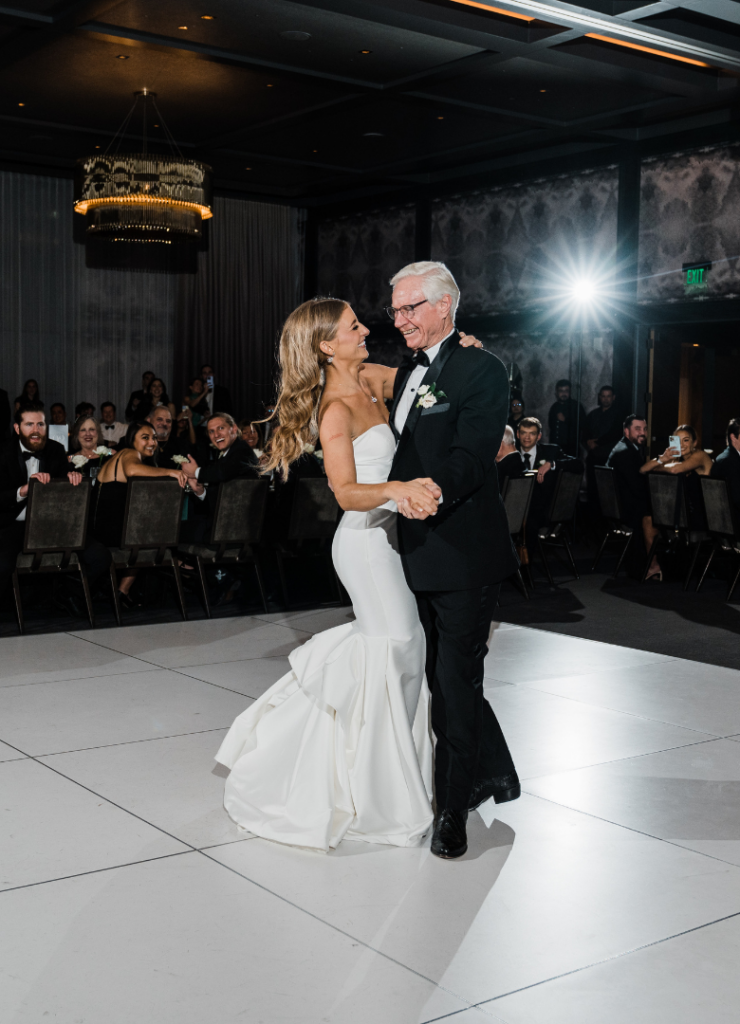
(685, 458)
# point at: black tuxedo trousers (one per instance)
(455, 561)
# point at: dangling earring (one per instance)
(322, 377)
(330, 359)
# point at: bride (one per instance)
(340, 747)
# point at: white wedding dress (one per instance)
(340, 747)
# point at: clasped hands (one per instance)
(418, 499)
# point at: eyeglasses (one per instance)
(405, 310)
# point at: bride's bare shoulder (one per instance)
(335, 415)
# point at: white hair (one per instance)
(436, 282)
(508, 437)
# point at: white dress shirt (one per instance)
(113, 432)
(413, 383)
(532, 457)
(32, 466)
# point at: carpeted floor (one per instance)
(658, 617)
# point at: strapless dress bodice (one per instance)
(374, 451)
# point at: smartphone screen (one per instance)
(209, 381)
(674, 442)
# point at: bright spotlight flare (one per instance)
(584, 290)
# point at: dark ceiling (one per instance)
(312, 101)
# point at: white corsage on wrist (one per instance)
(429, 396)
(541, 462)
(179, 459)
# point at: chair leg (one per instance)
(653, 546)
(18, 604)
(690, 573)
(114, 588)
(733, 584)
(520, 581)
(545, 563)
(180, 591)
(570, 555)
(600, 552)
(88, 596)
(260, 581)
(203, 587)
(283, 583)
(712, 553)
(622, 556)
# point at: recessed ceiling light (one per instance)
(366, 51)
(296, 36)
(207, 17)
(543, 90)
(247, 168)
(316, 151)
(97, 147)
(123, 56)
(21, 104)
(182, 28)
(441, 117)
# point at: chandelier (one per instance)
(143, 197)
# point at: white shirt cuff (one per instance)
(18, 495)
(197, 473)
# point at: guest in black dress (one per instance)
(691, 464)
(85, 438)
(110, 504)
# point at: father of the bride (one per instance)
(449, 412)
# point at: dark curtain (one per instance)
(230, 312)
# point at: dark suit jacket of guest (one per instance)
(174, 445)
(466, 544)
(727, 467)
(606, 429)
(542, 494)
(632, 486)
(5, 426)
(567, 433)
(239, 460)
(13, 474)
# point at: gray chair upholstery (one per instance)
(668, 504)
(516, 495)
(236, 531)
(611, 510)
(563, 509)
(313, 517)
(723, 527)
(56, 528)
(151, 528)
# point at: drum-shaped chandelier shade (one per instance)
(143, 198)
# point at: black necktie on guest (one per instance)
(527, 460)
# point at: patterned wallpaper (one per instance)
(358, 254)
(503, 244)
(690, 211)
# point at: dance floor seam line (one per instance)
(609, 959)
(628, 828)
(98, 871)
(125, 743)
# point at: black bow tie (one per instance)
(417, 359)
(28, 455)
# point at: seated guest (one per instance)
(168, 442)
(139, 400)
(158, 397)
(691, 464)
(197, 402)
(627, 459)
(508, 444)
(30, 455)
(29, 395)
(727, 466)
(110, 499)
(252, 434)
(84, 409)
(217, 396)
(603, 431)
(508, 451)
(229, 456)
(516, 409)
(85, 439)
(113, 430)
(566, 419)
(58, 415)
(535, 457)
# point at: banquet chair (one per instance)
(151, 527)
(723, 527)
(56, 531)
(236, 531)
(616, 528)
(562, 514)
(516, 496)
(670, 517)
(313, 517)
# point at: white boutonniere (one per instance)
(541, 462)
(102, 450)
(429, 396)
(79, 461)
(179, 459)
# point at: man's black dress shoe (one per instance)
(502, 788)
(449, 839)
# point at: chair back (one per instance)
(56, 516)
(153, 510)
(667, 501)
(315, 511)
(720, 518)
(606, 487)
(565, 499)
(240, 511)
(517, 495)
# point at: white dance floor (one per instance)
(610, 892)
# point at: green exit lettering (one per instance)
(695, 276)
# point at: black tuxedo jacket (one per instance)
(632, 486)
(52, 460)
(455, 442)
(542, 494)
(727, 467)
(239, 460)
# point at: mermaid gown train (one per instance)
(340, 747)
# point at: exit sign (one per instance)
(696, 277)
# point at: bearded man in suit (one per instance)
(449, 412)
(30, 455)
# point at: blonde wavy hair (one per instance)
(302, 379)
